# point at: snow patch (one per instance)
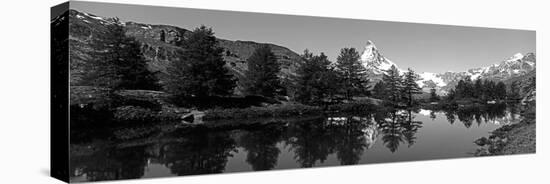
(516, 57)
(426, 76)
(96, 17)
(425, 112)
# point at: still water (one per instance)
(297, 143)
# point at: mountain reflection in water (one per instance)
(307, 142)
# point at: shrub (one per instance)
(284, 110)
(133, 113)
(133, 133)
(356, 106)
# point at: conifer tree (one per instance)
(200, 70)
(433, 95)
(394, 86)
(261, 77)
(410, 87)
(352, 73)
(489, 90)
(379, 90)
(500, 91)
(514, 91)
(317, 79)
(478, 89)
(468, 88)
(118, 62)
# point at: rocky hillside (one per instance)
(160, 45)
(512, 68)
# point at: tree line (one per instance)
(485, 90)
(322, 81)
(396, 89)
(200, 71)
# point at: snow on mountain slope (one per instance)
(426, 76)
(514, 66)
(373, 61)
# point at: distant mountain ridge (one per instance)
(159, 44)
(515, 66)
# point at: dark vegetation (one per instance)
(516, 138)
(200, 71)
(117, 62)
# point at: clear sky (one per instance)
(423, 47)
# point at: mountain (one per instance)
(514, 67)
(373, 61)
(160, 45)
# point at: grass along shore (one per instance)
(517, 138)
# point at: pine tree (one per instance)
(317, 79)
(352, 73)
(379, 90)
(433, 95)
(459, 89)
(500, 91)
(410, 87)
(394, 86)
(261, 76)
(118, 62)
(478, 89)
(489, 90)
(451, 95)
(200, 70)
(514, 91)
(468, 88)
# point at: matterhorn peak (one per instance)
(370, 44)
(370, 53)
(373, 60)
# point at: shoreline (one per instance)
(518, 138)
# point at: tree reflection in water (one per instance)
(351, 138)
(410, 128)
(261, 146)
(311, 140)
(198, 153)
(392, 129)
(492, 113)
(110, 164)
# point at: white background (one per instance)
(24, 95)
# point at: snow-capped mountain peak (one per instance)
(373, 61)
(518, 64)
(515, 57)
(370, 52)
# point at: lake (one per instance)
(373, 137)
